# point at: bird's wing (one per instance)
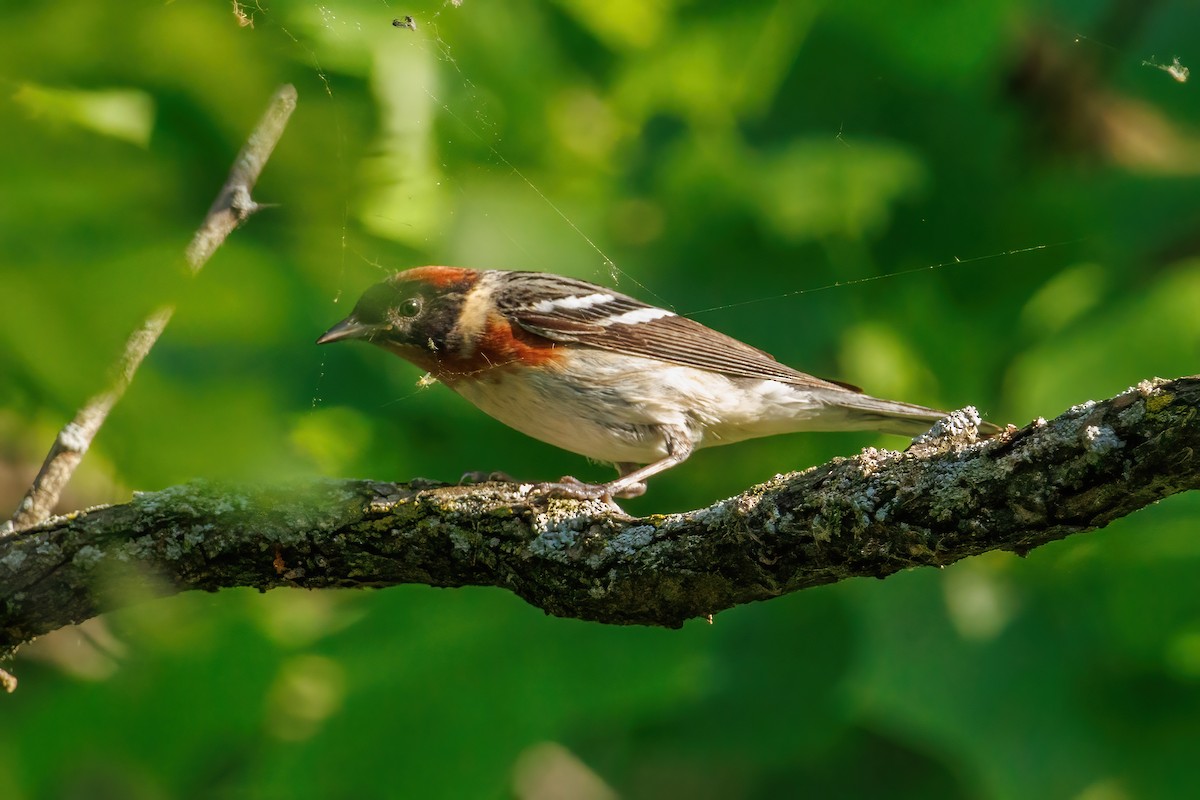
(567, 310)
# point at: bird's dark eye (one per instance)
(410, 306)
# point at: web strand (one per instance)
(898, 273)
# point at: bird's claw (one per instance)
(570, 488)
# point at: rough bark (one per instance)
(946, 498)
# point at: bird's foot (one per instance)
(575, 489)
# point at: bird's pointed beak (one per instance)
(349, 328)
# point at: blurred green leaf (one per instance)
(818, 189)
(333, 438)
(1154, 331)
(127, 115)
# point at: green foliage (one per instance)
(730, 160)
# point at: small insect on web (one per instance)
(1175, 69)
(244, 20)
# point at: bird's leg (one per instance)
(631, 483)
(628, 468)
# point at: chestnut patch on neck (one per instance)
(502, 345)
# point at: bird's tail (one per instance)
(864, 412)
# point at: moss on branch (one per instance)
(947, 497)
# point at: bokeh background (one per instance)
(1030, 169)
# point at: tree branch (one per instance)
(946, 498)
(231, 207)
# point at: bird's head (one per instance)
(413, 313)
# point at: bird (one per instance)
(602, 374)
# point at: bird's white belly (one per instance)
(604, 409)
(580, 421)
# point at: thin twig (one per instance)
(232, 206)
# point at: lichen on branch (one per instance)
(947, 497)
